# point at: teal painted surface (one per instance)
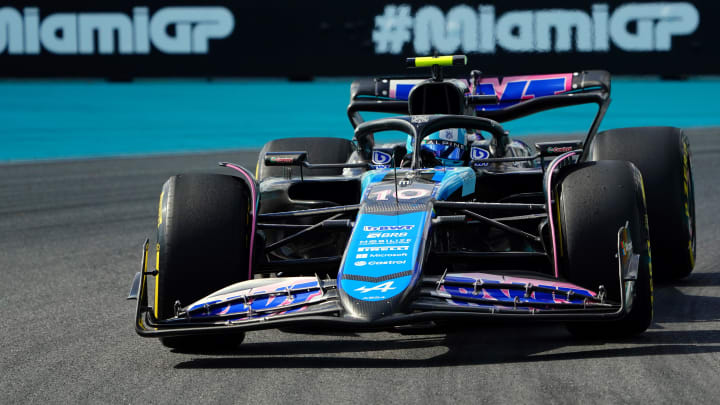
(46, 120)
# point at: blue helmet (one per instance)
(448, 145)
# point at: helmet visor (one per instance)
(445, 150)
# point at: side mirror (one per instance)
(285, 158)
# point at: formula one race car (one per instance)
(458, 224)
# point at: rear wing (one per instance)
(517, 96)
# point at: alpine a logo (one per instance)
(172, 30)
(632, 27)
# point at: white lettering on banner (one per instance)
(75, 33)
(480, 30)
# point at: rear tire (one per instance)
(595, 201)
(320, 150)
(202, 246)
(663, 156)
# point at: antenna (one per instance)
(475, 76)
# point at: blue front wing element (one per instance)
(235, 306)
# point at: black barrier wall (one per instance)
(176, 38)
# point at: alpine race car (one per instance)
(333, 233)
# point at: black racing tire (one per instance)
(663, 156)
(202, 245)
(320, 150)
(595, 201)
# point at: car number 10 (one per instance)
(403, 194)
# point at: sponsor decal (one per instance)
(281, 159)
(477, 153)
(389, 228)
(631, 27)
(385, 242)
(385, 287)
(360, 263)
(382, 248)
(386, 262)
(627, 247)
(559, 149)
(449, 134)
(510, 89)
(381, 158)
(387, 235)
(516, 88)
(261, 303)
(625, 242)
(381, 255)
(171, 30)
(418, 119)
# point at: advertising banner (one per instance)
(179, 38)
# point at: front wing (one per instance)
(309, 302)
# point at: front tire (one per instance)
(595, 201)
(202, 245)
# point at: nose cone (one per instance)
(382, 262)
(368, 299)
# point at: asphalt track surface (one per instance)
(70, 240)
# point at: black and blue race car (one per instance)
(353, 234)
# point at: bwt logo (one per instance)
(388, 228)
(632, 27)
(174, 30)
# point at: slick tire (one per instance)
(663, 156)
(320, 150)
(595, 201)
(202, 245)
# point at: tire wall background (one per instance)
(126, 39)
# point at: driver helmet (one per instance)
(447, 145)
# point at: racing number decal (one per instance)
(403, 194)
